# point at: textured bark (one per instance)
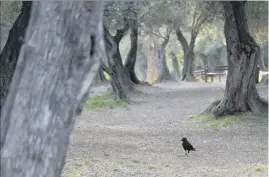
(56, 65)
(151, 69)
(161, 63)
(188, 50)
(176, 71)
(243, 55)
(10, 53)
(131, 57)
(120, 82)
(116, 85)
(263, 58)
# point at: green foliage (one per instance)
(104, 101)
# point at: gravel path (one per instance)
(143, 140)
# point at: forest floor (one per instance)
(143, 139)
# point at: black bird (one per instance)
(187, 146)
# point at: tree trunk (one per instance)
(262, 58)
(176, 70)
(188, 50)
(151, 66)
(99, 78)
(131, 57)
(120, 82)
(243, 55)
(10, 53)
(187, 73)
(56, 65)
(121, 73)
(161, 63)
(116, 84)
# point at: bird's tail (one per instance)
(194, 149)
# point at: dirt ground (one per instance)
(143, 140)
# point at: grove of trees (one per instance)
(55, 51)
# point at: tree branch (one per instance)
(182, 39)
(121, 32)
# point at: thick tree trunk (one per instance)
(56, 65)
(151, 65)
(122, 75)
(243, 55)
(116, 84)
(176, 71)
(10, 53)
(187, 73)
(120, 82)
(131, 57)
(161, 63)
(188, 50)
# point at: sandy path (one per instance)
(143, 140)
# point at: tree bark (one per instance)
(10, 53)
(131, 57)
(188, 50)
(151, 65)
(243, 54)
(161, 63)
(99, 78)
(56, 65)
(119, 81)
(176, 70)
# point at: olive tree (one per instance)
(57, 62)
(242, 54)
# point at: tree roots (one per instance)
(219, 108)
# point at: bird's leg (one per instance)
(186, 153)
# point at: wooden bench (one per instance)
(220, 71)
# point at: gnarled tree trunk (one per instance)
(188, 50)
(56, 65)
(176, 71)
(161, 63)
(10, 53)
(243, 55)
(115, 66)
(151, 69)
(131, 57)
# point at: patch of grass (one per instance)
(104, 101)
(135, 161)
(116, 169)
(69, 174)
(203, 117)
(216, 123)
(259, 167)
(229, 120)
(131, 165)
(148, 167)
(86, 161)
